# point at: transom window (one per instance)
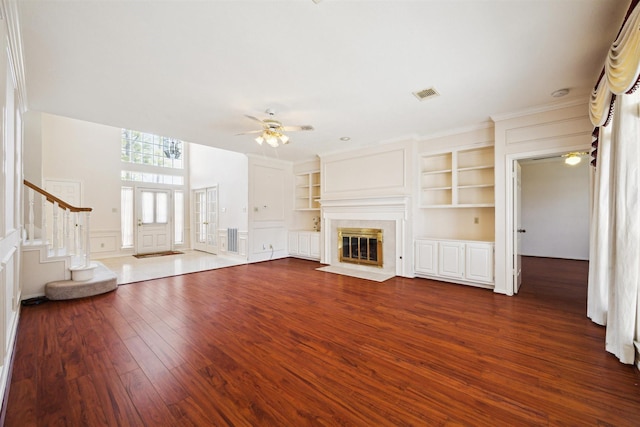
(155, 178)
(148, 149)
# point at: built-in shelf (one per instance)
(307, 191)
(457, 178)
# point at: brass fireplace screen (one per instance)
(360, 246)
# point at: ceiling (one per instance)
(193, 69)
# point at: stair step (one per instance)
(104, 280)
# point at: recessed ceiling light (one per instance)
(560, 93)
(345, 138)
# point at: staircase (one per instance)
(56, 259)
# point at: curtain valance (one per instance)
(621, 69)
(621, 72)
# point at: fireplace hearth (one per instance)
(360, 246)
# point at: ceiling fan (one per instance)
(272, 131)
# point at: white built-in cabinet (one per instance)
(307, 191)
(457, 178)
(459, 261)
(304, 244)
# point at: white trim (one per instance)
(573, 102)
(509, 159)
(458, 131)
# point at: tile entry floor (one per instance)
(130, 269)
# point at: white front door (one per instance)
(205, 210)
(153, 220)
(517, 225)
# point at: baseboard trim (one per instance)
(7, 386)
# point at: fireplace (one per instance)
(389, 214)
(360, 246)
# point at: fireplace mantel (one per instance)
(390, 212)
(379, 204)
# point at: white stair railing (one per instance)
(69, 228)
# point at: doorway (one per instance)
(153, 220)
(205, 217)
(550, 212)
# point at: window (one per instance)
(126, 216)
(178, 216)
(154, 178)
(148, 149)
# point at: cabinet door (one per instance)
(426, 256)
(293, 243)
(451, 259)
(314, 243)
(479, 262)
(303, 244)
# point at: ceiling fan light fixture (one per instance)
(573, 158)
(273, 131)
(272, 140)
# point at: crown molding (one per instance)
(574, 102)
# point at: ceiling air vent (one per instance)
(426, 94)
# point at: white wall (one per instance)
(89, 153)
(555, 209)
(230, 171)
(270, 207)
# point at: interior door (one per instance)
(205, 218)
(517, 225)
(153, 220)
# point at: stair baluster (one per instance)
(31, 220)
(55, 229)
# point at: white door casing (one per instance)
(518, 230)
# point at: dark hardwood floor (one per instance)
(279, 343)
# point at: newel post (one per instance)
(87, 246)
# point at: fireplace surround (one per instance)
(389, 214)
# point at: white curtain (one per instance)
(614, 270)
(599, 251)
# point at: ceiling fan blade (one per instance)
(296, 128)
(250, 132)
(254, 118)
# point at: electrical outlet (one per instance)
(264, 246)
(270, 246)
(476, 220)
